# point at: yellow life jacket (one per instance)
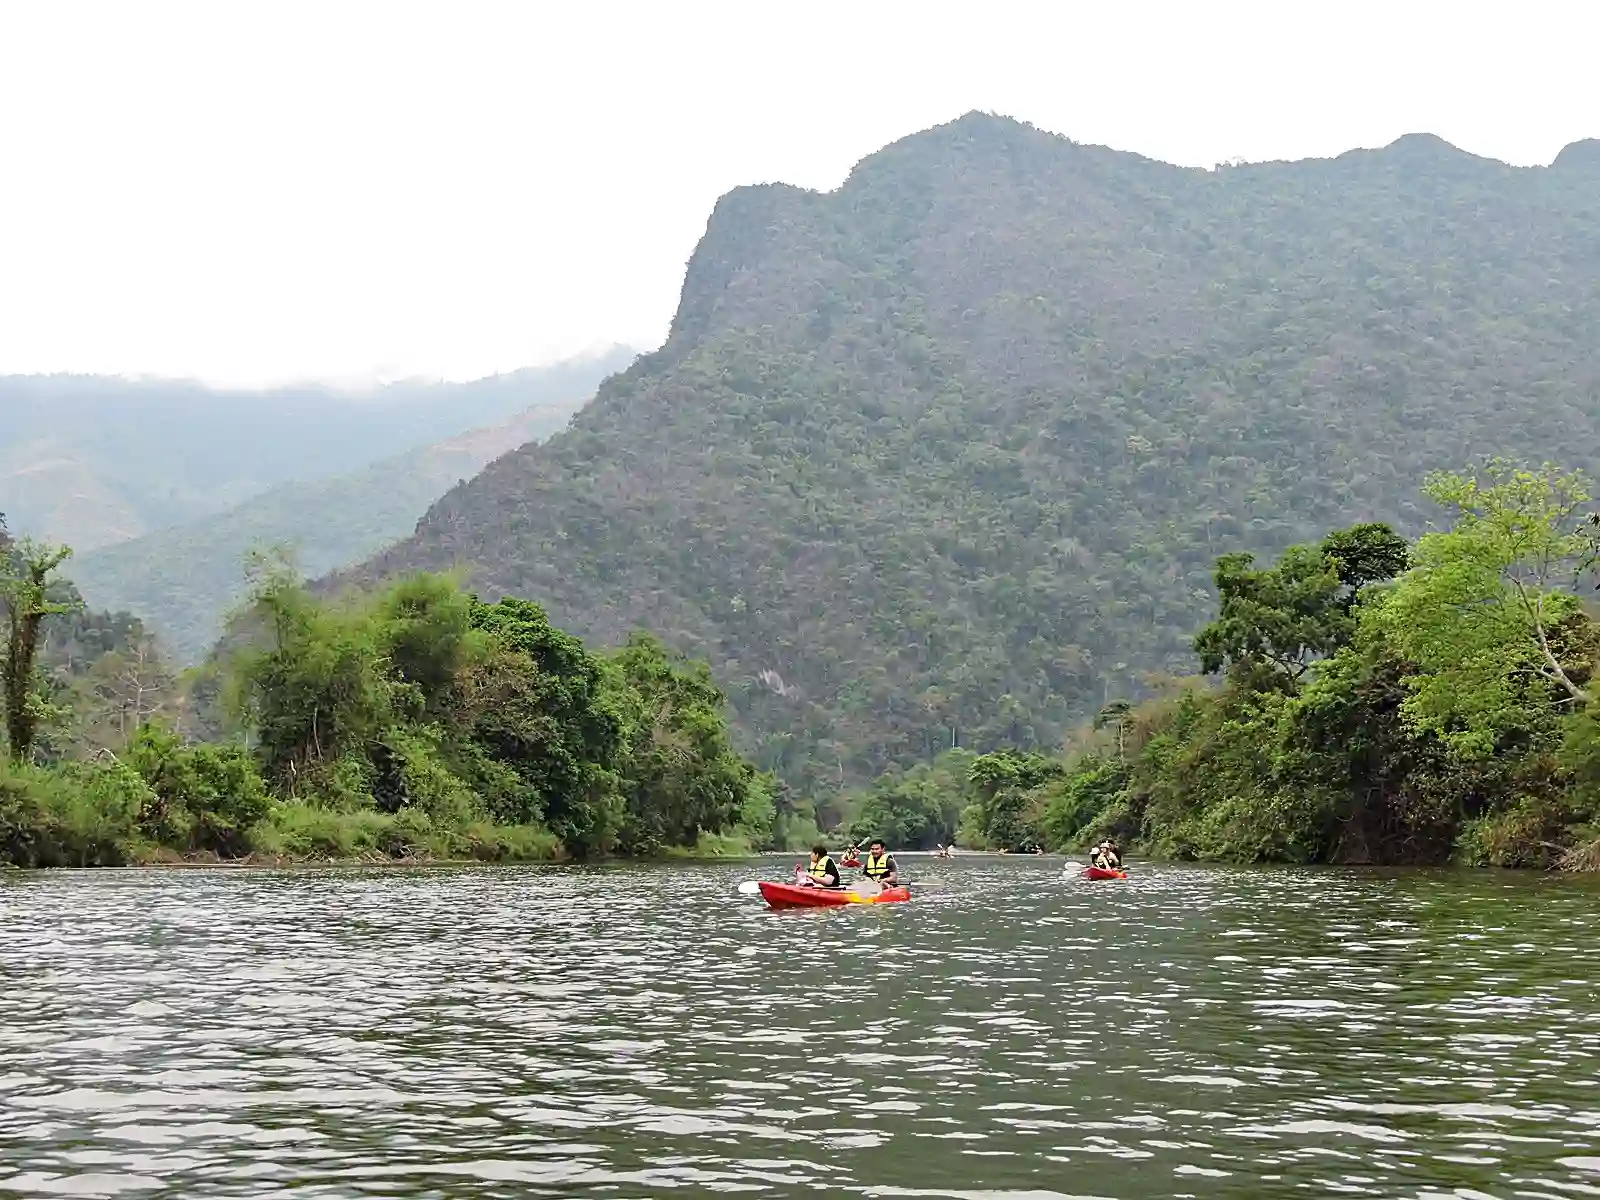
(819, 869)
(877, 866)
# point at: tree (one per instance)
(125, 689)
(1365, 554)
(538, 704)
(681, 775)
(26, 567)
(1286, 617)
(916, 809)
(1485, 613)
(315, 687)
(1116, 713)
(1004, 782)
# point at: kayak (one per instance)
(850, 862)
(787, 895)
(1102, 873)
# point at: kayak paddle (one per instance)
(749, 887)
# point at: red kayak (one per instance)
(1102, 873)
(787, 895)
(850, 862)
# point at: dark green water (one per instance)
(648, 1032)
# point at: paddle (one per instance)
(749, 887)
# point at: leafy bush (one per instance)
(81, 815)
(205, 798)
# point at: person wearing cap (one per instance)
(1105, 856)
(879, 865)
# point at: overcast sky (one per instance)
(249, 193)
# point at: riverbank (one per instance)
(412, 723)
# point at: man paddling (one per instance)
(880, 866)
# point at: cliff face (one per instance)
(957, 444)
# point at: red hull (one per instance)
(850, 862)
(787, 895)
(1102, 873)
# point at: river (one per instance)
(646, 1031)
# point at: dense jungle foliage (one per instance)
(415, 721)
(1378, 703)
(957, 446)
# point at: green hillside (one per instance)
(183, 581)
(93, 461)
(957, 445)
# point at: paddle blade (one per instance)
(749, 887)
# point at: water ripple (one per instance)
(1012, 1034)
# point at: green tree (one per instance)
(681, 775)
(201, 797)
(1005, 783)
(1485, 613)
(26, 568)
(539, 705)
(314, 688)
(1281, 619)
(1115, 713)
(918, 808)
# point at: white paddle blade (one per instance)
(749, 887)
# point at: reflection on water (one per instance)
(646, 1031)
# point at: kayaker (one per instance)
(823, 871)
(880, 866)
(1105, 856)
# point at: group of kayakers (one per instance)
(878, 866)
(1106, 856)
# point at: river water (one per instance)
(646, 1031)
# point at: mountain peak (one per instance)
(957, 445)
(1582, 156)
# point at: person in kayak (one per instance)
(880, 867)
(823, 871)
(1105, 856)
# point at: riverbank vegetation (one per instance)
(1363, 701)
(415, 721)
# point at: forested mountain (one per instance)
(93, 461)
(958, 444)
(184, 580)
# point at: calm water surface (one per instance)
(648, 1032)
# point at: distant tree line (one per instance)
(1376, 702)
(414, 720)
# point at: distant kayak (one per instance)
(787, 895)
(849, 862)
(1102, 873)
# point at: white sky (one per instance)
(248, 193)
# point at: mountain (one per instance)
(955, 446)
(184, 580)
(93, 461)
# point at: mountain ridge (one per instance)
(954, 446)
(95, 460)
(183, 579)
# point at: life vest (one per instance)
(819, 869)
(877, 866)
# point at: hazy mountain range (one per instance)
(162, 488)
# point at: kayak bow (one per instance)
(787, 895)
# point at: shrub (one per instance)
(82, 815)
